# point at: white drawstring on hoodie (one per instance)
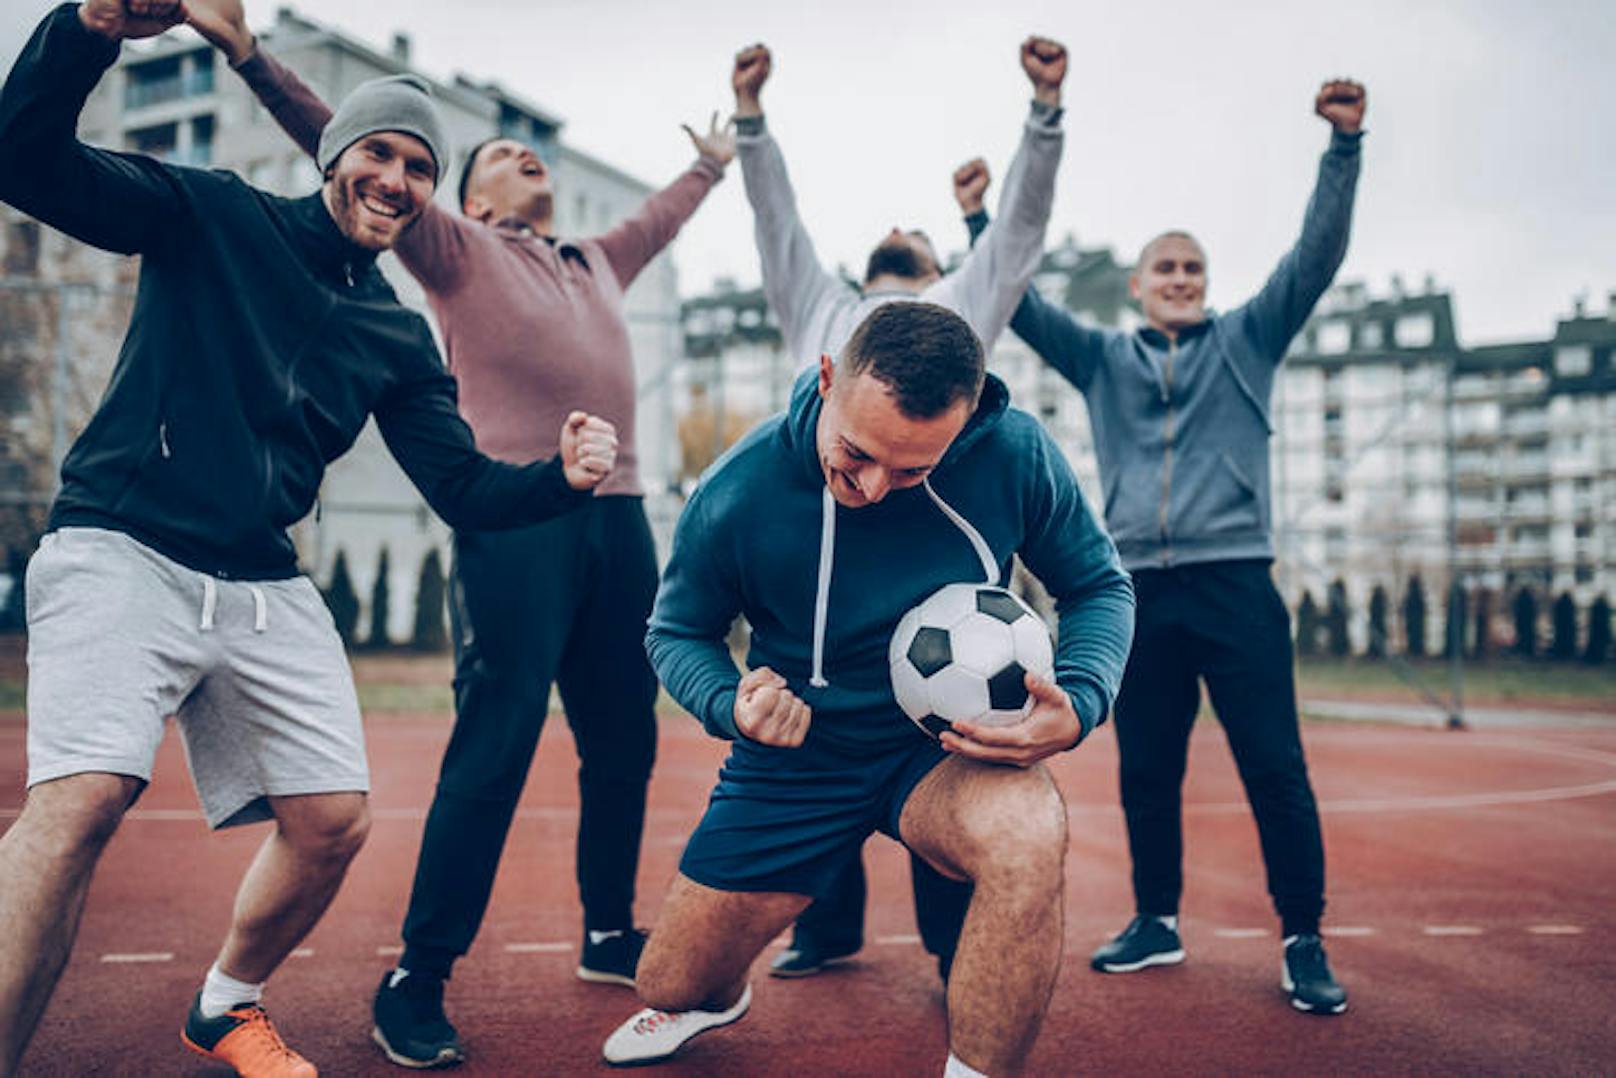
(827, 557)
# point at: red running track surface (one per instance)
(1471, 877)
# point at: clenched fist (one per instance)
(769, 713)
(1044, 61)
(1342, 102)
(588, 450)
(970, 184)
(752, 67)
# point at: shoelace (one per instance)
(653, 1021)
(258, 1018)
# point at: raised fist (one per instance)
(1044, 61)
(970, 183)
(119, 20)
(752, 67)
(1342, 102)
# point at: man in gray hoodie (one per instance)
(1180, 414)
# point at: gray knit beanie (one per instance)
(397, 103)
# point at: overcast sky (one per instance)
(1489, 163)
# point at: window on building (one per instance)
(1584, 530)
(199, 80)
(159, 141)
(22, 248)
(1334, 337)
(152, 83)
(1370, 336)
(1572, 360)
(201, 152)
(1414, 331)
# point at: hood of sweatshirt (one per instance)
(798, 434)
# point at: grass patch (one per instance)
(1502, 680)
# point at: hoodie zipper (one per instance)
(1168, 434)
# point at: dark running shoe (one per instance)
(1306, 975)
(410, 1024)
(614, 959)
(244, 1038)
(1145, 942)
(804, 959)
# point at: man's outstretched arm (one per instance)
(1050, 330)
(115, 201)
(794, 282)
(989, 284)
(641, 237)
(1276, 313)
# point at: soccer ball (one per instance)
(962, 654)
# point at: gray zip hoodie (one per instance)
(818, 311)
(1181, 427)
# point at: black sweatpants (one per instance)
(1223, 622)
(566, 601)
(835, 923)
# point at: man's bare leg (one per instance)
(292, 880)
(704, 943)
(1005, 829)
(46, 861)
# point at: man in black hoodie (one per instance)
(262, 338)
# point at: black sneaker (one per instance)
(410, 1024)
(1145, 942)
(1306, 975)
(804, 959)
(614, 959)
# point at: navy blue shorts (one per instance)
(791, 819)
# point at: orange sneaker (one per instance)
(244, 1038)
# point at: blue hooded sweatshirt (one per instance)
(823, 587)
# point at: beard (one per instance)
(898, 259)
(358, 224)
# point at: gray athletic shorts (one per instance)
(120, 637)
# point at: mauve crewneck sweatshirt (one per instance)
(533, 327)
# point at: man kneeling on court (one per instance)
(898, 470)
(262, 339)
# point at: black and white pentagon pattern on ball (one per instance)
(963, 653)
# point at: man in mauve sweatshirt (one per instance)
(532, 324)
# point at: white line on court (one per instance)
(897, 941)
(303, 952)
(537, 948)
(1451, 930)
(1555, 930)
(149, 956)
(1240, 933)
(1349, 930)
(390, 949)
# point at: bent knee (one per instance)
(328, 826)
(79, 812)
(1022, 826)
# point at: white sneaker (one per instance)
(652, 1036)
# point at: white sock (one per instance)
(958, 1068)
(1171, 921)
(220, 992)
(595, 935)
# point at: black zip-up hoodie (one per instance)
(260, 342)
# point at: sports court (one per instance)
(1470, 918)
